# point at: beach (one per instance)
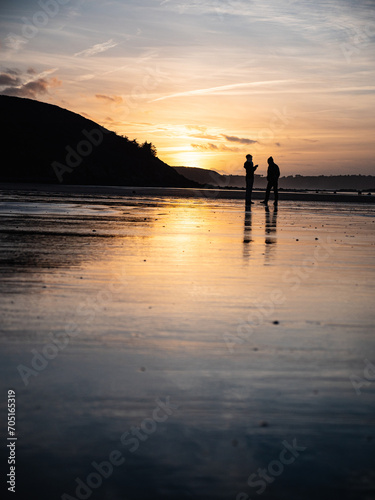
(166, 344)
(204, 192)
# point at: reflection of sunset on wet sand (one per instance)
(255, 326)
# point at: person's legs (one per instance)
(276, 191)
(268, 191)
(249, 190)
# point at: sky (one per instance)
(207, 82)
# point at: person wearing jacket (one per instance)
(273, 174)
(250, 169)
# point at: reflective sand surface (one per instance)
(194, 339)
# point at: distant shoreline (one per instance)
(184, 192)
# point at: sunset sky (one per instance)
(207, 81)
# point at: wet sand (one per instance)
(165, 347)
(209, 193)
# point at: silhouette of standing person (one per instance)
(273, 174)
(250, 169)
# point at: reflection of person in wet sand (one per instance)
(247, 234)
(271, 223)
(250, 169)
(270, 229)
(273, 174)
(247, 228)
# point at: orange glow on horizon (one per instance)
(208, 104)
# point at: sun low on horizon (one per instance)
(207, 82)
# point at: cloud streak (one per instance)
(240, 140)
(97, 49)
(220, 89)
(215, 147)
(108, 98)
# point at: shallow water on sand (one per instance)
(254, 329)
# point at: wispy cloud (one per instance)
(97, 49)
(220, 89)
(83, 78)
(200, 132)
(29, 85)
(215, 147)
(109, 98)
(241, 140)
(9, 80)
(205, 136)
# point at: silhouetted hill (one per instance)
(320, 182)
(45, 143)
